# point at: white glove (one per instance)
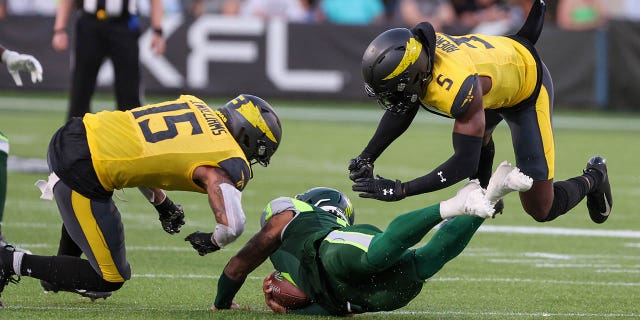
(17, 62)
(469, 200)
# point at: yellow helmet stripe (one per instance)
(250, 112)
(411, 54)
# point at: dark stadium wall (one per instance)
(221, 56)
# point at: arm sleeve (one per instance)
(485, 165)
(391, 126)
(461, 165)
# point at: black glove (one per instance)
(201, 241)
(171, 216)
(360, 168)
(379, 188)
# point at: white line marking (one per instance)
(561, 231)
(108, 307)
(516, 314)
(437, 279)
(373, 114)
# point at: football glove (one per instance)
(17, 62)
(379, 188)
(360, 168)
(201, 241)
(171, 216)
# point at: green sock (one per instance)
(3, 180)
(403, 232)
(446, 244)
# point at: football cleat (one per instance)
(6, 268)
(93, 295)
(506, 179)
(599, 201)
(469, 200)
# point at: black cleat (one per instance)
(6, 268)
(599, 201)
(93, 295)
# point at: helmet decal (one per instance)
(411, 54)
(250, 112)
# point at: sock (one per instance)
(446, 244)
(3, 181)
(567, 194)
(402, 233)
(17, 262)
(66, 273)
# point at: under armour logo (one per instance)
(387, 192)
(442, 178)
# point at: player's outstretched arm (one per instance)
(252, 255)
(225, 201)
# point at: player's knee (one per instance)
(538, 214)
(107, 286)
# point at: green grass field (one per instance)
(514, 268)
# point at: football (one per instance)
(286, 293)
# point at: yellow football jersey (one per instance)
(460, 59)
(160, 145)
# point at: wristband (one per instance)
(157, 31)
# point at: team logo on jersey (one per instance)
(411, 54)
(250, 112)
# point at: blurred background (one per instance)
(311, 49)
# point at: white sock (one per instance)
(17, 262)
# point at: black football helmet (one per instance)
(396, 69)
(254, 125)
(330, 200)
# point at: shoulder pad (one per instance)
(282, 204)
(463, 99)
(238, 171)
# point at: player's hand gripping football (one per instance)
(360, 168)
(202, 242)
(267, 289)
(171, 216)
(379, 188)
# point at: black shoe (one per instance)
(599, 201)
(6, 268)
(93, 295)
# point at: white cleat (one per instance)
(505, 180)
(469, 200)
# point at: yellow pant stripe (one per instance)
(91, 230)
(544, 123)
